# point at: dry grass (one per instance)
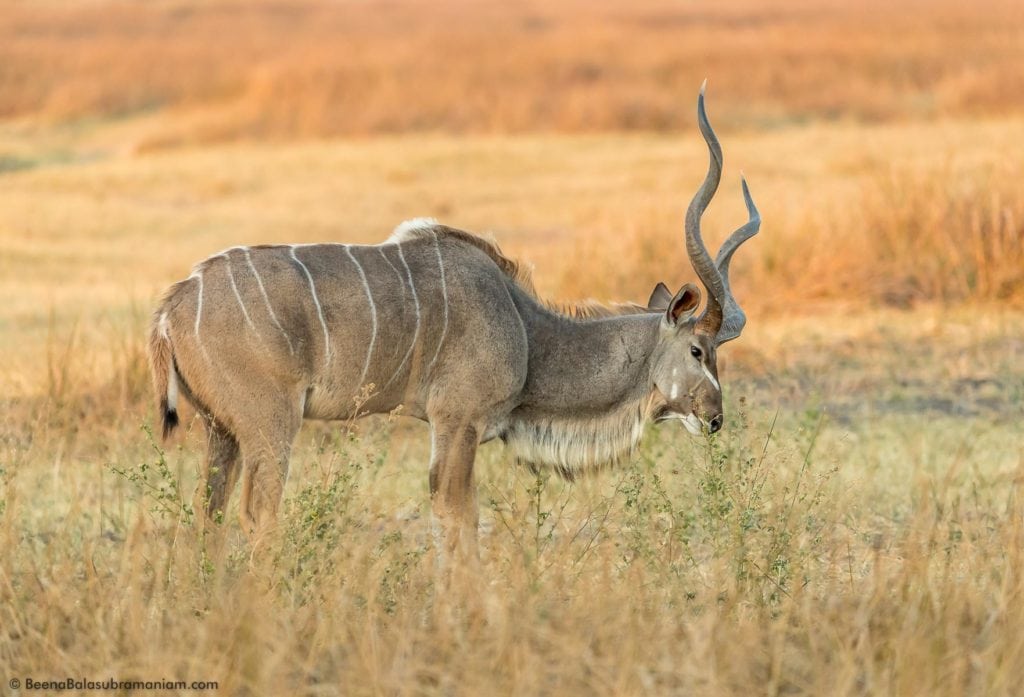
(848, 534)
(855, 530)
(227, 70)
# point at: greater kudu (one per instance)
(440, 322)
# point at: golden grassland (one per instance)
(856, 529)
(230, 69)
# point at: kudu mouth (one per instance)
(693, 423)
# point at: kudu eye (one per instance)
(696, 352)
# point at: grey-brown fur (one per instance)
(439, 322)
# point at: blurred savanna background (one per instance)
(855, 529)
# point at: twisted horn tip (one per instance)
(755, 215)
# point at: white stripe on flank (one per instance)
(674, 395)
(266, 299)
(161, 326)
(393, 268)
(238, 296)
(710, 377)
(416, 331)
(316, 301)
(198, 275)
(373, 315)
(444, 293)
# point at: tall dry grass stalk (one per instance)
(912, 236)
(946, 236)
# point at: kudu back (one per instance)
(440, 323)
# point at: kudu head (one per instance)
(685, 370)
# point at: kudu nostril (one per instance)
(716, 424)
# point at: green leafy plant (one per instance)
(157, 484)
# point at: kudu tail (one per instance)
(165, 377)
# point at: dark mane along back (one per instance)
(514, 269)
(520, 273)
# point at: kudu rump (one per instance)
(439, 322)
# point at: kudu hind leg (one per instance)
(453, 497)
(265, 454)
(222, 467)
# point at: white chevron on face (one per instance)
(710, 377)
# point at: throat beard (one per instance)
(573, 445)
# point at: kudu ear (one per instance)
(683, 305)
(660, 298)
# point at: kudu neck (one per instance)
(588, 366)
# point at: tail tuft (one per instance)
(165, 377)
(170, 417)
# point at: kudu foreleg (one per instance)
(453, 497)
